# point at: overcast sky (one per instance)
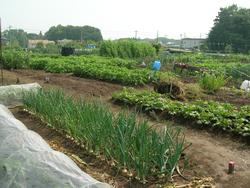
(117, 18)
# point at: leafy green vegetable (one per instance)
(206, 113)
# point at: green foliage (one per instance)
(228, 48)
(114, 74)
(157, 47)
(34, 36)
(236, 66)
(87, 52)
(15, 59)
(103, 68)
(212, 83)
(39, 63)
(127, 49)
(74, 33)
(16, 37)
(46, 49)
(231, 27)
(132, 145)
(205, 113)
(73, 60)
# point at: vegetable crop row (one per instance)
(115, 70)
(130, 145)
(43, 62)
(200, 58)
(204, 113)
(236, 66)
(115, 74)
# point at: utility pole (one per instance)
(81, 36)
(1, 55)
(10, 37)
(157, 37)
(136, 34)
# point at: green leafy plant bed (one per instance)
(46, 62)
(102, 68)
(115, 74)
(205, 113)
(132, 147)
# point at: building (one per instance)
(191, 43)
(33, 43)
(64, 42)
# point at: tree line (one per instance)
(231, 30)
(230, 33)
(19, 38)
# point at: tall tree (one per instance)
(231, 28)
(74, 33)
(33, 36)
(16, 37)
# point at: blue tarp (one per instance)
(156, 65)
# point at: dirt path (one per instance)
(209, 154)
(76, 86)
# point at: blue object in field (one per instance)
(156, 65)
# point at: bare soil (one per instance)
(208, 156)
(227, 96)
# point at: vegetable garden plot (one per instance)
(204, 113)
(109, 69)
(133, 147)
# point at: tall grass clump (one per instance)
(212, 83)
(127, 49)
(132, 146)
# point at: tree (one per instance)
(157, 47)
(40, 36)
(231, 27)
(228, 48)
(74, 33)
(33, 36)
(16, 37)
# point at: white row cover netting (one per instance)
(245, 85)
(27, 161)
(11, 95)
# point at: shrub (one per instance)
(15, 59)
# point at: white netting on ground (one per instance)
(245, 85)
(27, 161)
(11, 95)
